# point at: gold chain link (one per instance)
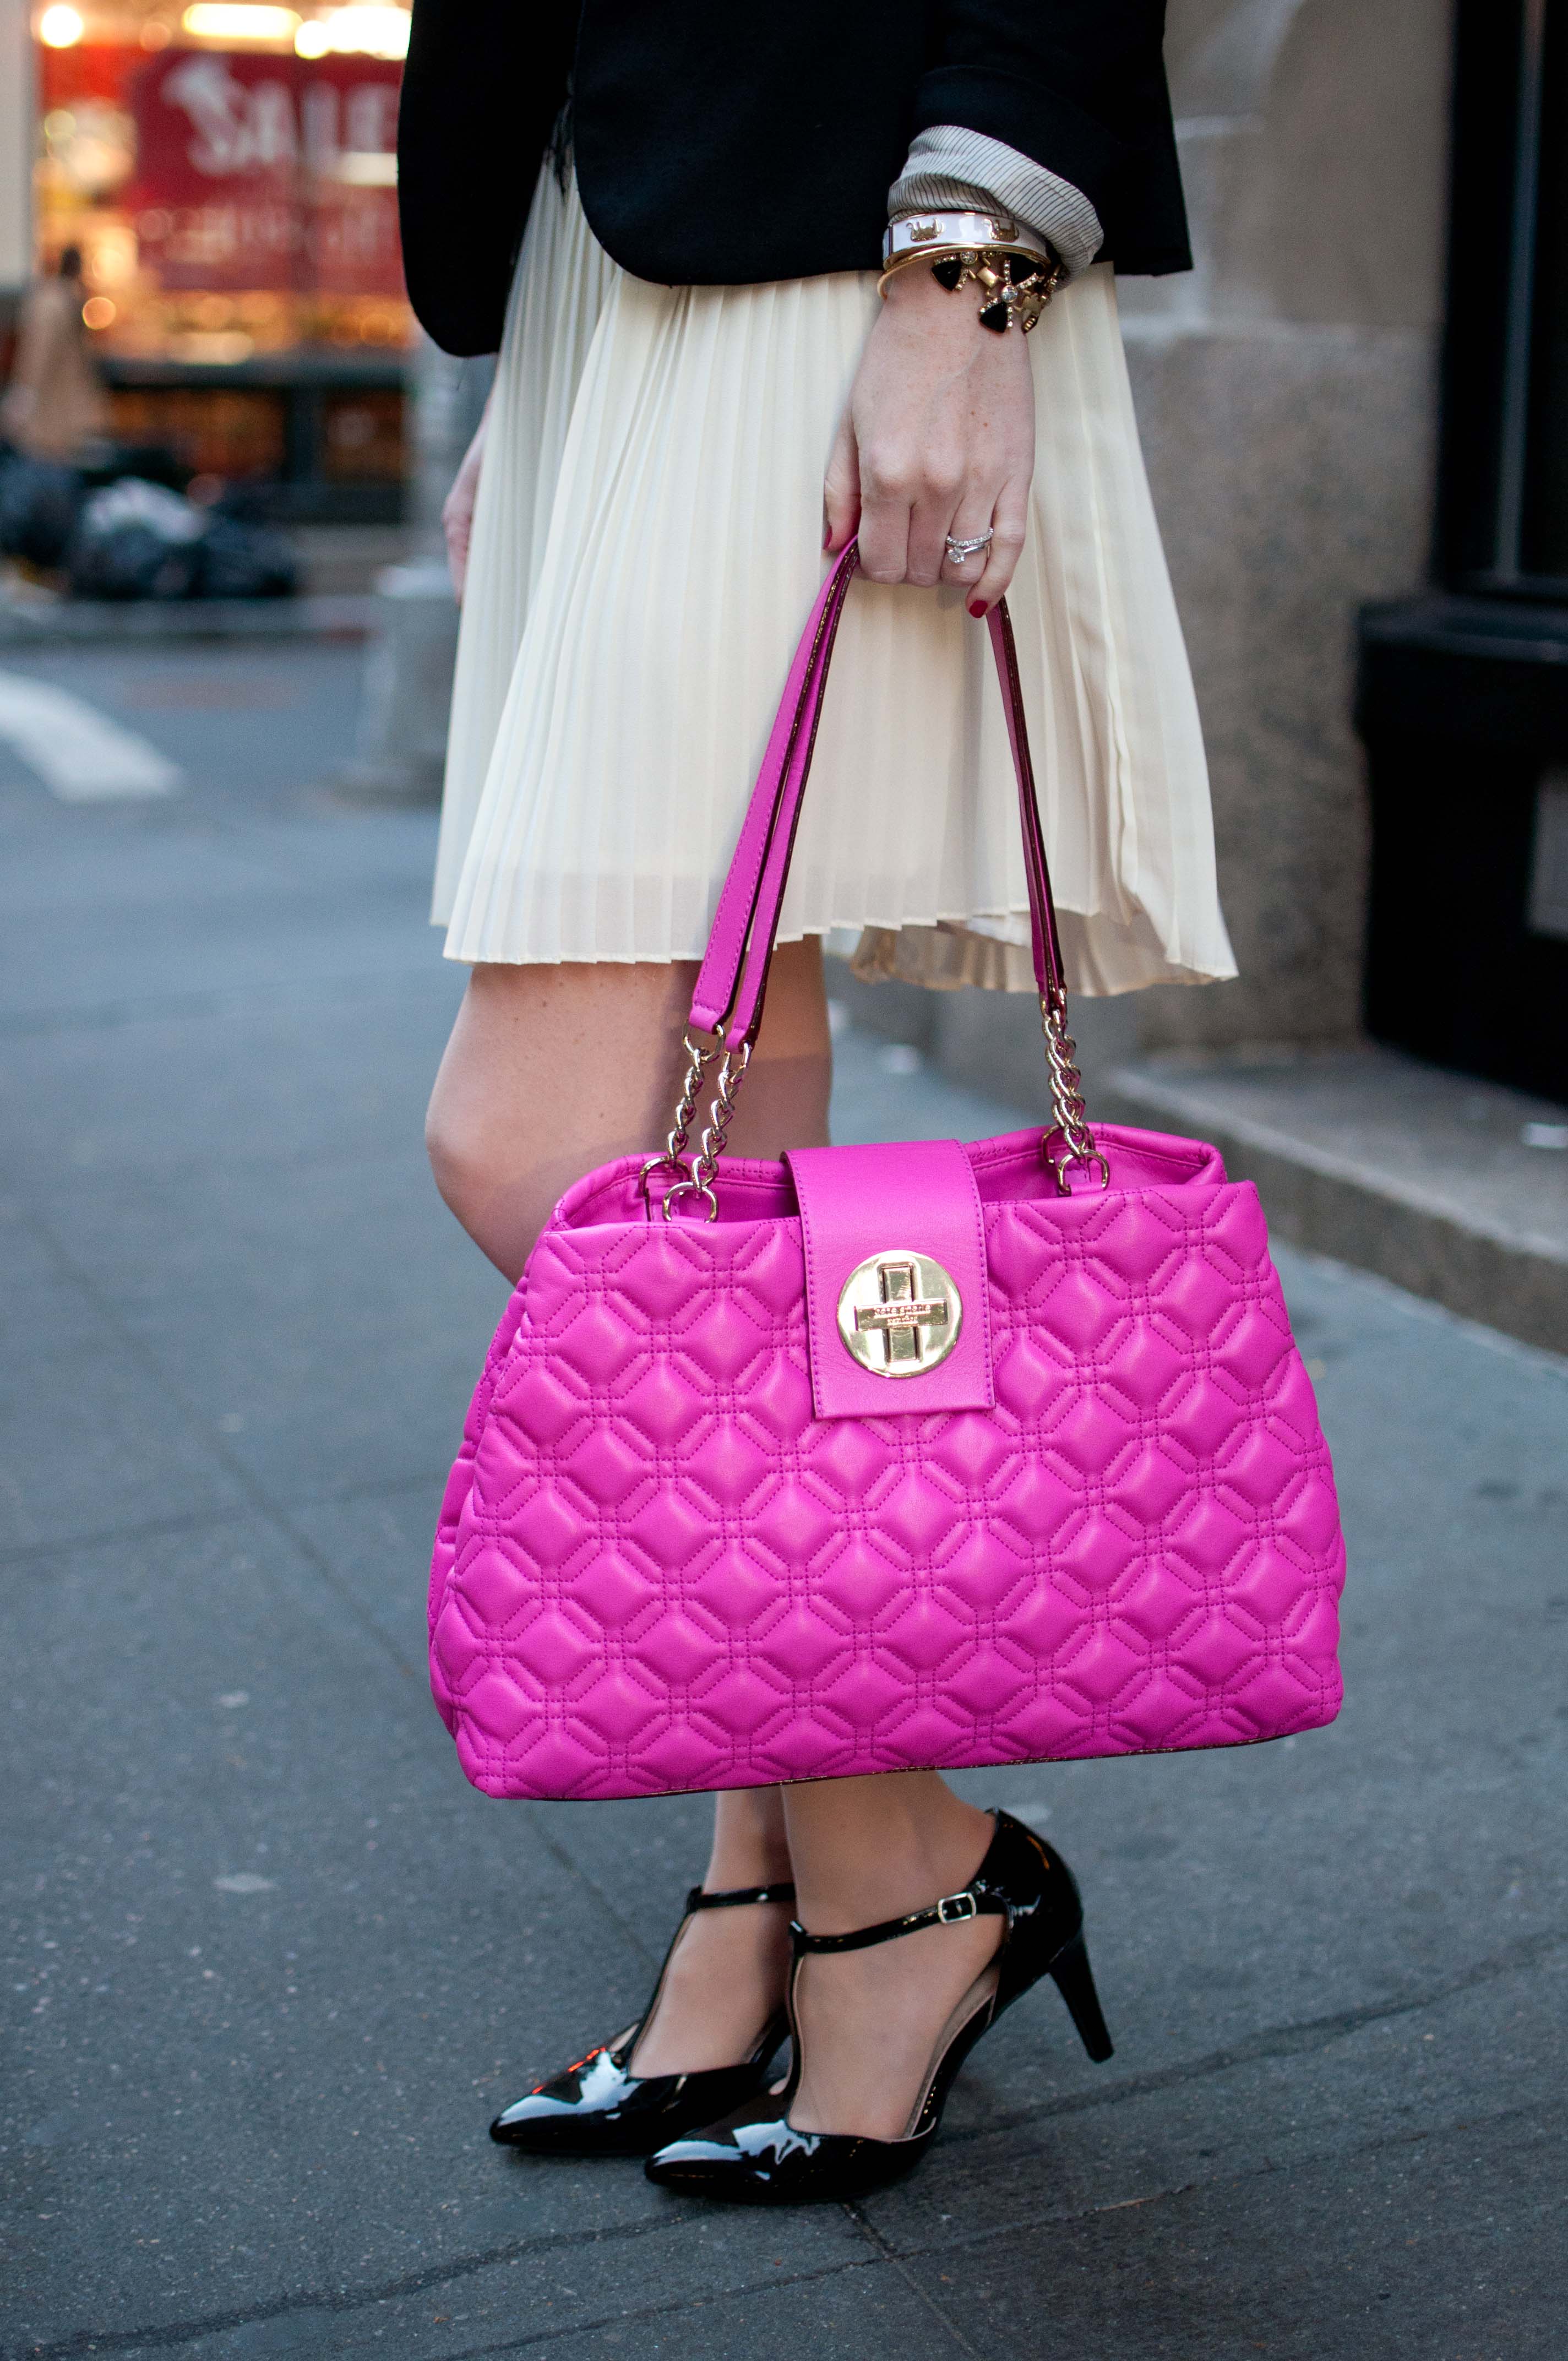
(710, 1147)
(1078, 1151)
(674, 1158)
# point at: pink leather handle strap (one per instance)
(733, 978)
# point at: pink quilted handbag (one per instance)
(882, 1458)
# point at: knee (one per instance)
(468, 1161)
(457, 1157)
(477, 1171)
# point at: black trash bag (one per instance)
(249, 502)
(136, 540)
(105, 461)
(39, 503)
(246, 561)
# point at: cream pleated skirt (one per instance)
(646, 547)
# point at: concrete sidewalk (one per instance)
(271, 1964)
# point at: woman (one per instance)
(698, 392)
(54, 402)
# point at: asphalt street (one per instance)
(270, 1964)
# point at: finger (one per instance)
(841, 488)
(889, 482)
(884, 537)
(454, 528)
(931, 523)
(457, 519)
(975, 513)
(1008, 522)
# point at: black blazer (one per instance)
(723, 141)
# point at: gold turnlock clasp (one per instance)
(899, 1313)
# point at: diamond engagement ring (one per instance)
(961, 551)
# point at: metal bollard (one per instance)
(406, 694)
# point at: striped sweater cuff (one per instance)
(950, 166)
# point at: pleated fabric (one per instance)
(645, 550)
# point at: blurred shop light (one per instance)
(368, 168)
(210, 347)
(91, 145)
(61, 28)
(111, 252)
(240, 20)
(363, 28)
(99, 313)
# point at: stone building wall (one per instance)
(1287, 395)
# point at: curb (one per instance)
(90, 622)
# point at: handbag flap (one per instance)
(897, 1305)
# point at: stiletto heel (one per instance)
(596, 2107)
(1071, 1974)
(758, 2157)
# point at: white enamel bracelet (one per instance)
(913, 234)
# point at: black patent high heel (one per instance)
(595, 2107)
(757, 2158)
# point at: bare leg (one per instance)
(729, 1966)
(550, 1071)
(865, 1850)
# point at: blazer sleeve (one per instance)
(1076, 85)
(483, 84)
(950, 166)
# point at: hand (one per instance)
(457, 509)
(938, 438)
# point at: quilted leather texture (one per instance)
(656, 1570)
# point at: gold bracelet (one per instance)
(1015, 283)
(904, 262)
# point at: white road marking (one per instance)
(80, 755)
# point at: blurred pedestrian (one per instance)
(55, 403)
(702, 384)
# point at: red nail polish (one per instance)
(977, 609)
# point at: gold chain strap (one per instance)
(710, 1147)
(674, 1158)
(1077, 1152)
(1068, 1148)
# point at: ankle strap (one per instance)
(697, 1900)
(973, 1903)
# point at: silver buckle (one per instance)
(953, 1908)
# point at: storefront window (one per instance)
(228, 172)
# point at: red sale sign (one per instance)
(258, 171)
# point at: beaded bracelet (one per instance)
(1013, 286)
(1016, 271)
